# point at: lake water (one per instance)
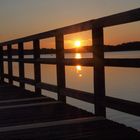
(120, 82)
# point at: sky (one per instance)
(21, 18)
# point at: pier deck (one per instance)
(25, 115)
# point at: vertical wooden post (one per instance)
(37, 69)
(1, 66)
(99, 74)
(21, 64)
(60, 65)
(10, 68)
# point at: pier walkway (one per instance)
(24, 115)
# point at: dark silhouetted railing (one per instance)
(99, 62)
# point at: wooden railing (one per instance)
(99, 62)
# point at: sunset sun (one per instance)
(77, 43)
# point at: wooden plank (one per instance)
(10, 68)
(15, 78)
(50, 124)
(14, 103)
(116, 19)
(123, 105)
(118, 62)
(29, 105)
(5, 75)
(22, 100)
(28, 81)
(99, 72)
(1, 65)
(69, 61)
(114, 103)
(60, 65)
(84, 49)
(60, 121)
(48, 87)
(82, 62)
(111, 102)
(23, 80)
(96, 130)
(30, 52)
(24, 60)
(77, 94)
(37, 68)
(21, 65)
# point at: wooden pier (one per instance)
(25, 115)
(30, 115)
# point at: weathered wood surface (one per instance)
(21, 64)
(61, 80)
(111, 102)
(37, 66)
(113, 62)
(99, 71)
(25, 115)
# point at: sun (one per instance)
(77, 43)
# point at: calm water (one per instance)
(120, 82)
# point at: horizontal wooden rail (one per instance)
(15, 78)
(114, 62)
(30, 52)
(48, 87)
(29, 81)
(25, 80)
(123, 105)
(31, 60)
(47, 60)
(111, 102)
(84, 49)
(123, 62)
(82, 62)
(5, 76)
(24, 60)
(77, 94)
(117, 19)
(58, 58)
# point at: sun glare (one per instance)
(78, 67)
(78, 56)
(77, 43)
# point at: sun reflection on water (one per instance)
(78, 67)
(78, 56)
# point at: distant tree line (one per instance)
(123, 47)
(107, 48)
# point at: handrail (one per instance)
(99, 62)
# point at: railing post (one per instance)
(21, 64)
(60, 65)
(99, 73)
(37, 69)
(1, 66)
(10, 68)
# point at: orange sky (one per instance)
(22, 18)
